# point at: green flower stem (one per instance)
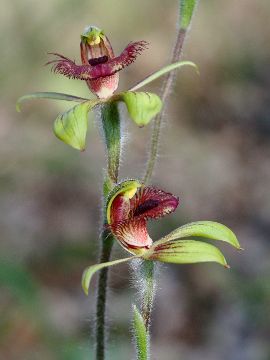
(186, 8)
(106, 247)
(140, 335)
(112, 135)
(165, 92)
(186, 12)
(145, 282)
(147, 303)
(148, 270)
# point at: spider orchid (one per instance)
(131, 204)
(100, 70)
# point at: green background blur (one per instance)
(215, 156)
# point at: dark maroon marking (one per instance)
(138, 247)
(162, 247)
(99, 60)
(147, 205)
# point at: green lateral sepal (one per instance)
(142, 106)
(91, 270)
(71, 126)
(184, 252)
(206, 229)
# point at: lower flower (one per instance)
(131, 204)
(129, 207)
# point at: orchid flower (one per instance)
(130, 204)
(100, 70)
(99, 66)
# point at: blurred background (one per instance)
(214, 155)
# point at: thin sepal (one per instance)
(185, 252)
(48, 95)
(142, 106)
(206, 229)
(162, 72)
(91, 270)
(140, 334)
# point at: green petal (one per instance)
(90, 271)
(127, 188)
(206, 229)
(142, 106)
(71, 126)
(187, 8)
(185, 252)
(47, 95)
(162, 72)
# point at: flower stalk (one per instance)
(145, 283)
(140, 335)
(101, 295)
(186, 10)
(148, 291)
(112, 135)
(149, 281)
(164, 95)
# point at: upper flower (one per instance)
(99, 65)
(129, 207)
(99, 69)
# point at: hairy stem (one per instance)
(112, 134)
(148, 266)
(186, 8)
(144, 281)
(107, 243)
(158, 121)
(140, 335)
(148, 269)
